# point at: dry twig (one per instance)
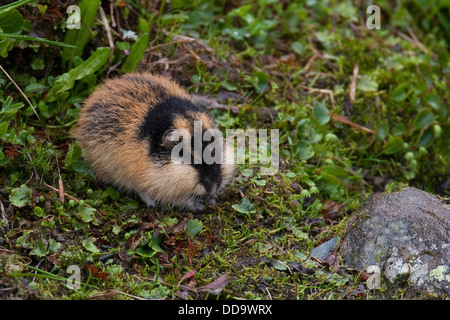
(352, 93)
(342, 119)
(325, 91)
(108, 31)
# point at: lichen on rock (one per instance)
(406, 234)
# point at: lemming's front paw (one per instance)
(204, 201)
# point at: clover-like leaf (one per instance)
(21, 196)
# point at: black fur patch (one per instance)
(210, 175)
(159, 120)
(102, 123)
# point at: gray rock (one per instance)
(407, 235)
(322, 251)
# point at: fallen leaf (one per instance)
(178, 228)
(211, 103)
(297, 266)
(332, 262)
(102, 275)
(216, 287)
(184, 292)
(94, 271)
(360, 292)
(364, 276)
(331, 211)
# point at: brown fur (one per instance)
(108, 133)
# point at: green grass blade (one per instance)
(23, 37)
(48, 275)
(13, 5)
(79, 37)
(136, 53)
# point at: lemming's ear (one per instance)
(178, 142)
(173, 137)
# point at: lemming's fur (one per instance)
(123, 130)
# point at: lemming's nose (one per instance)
(211, 186)
(213, 189)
